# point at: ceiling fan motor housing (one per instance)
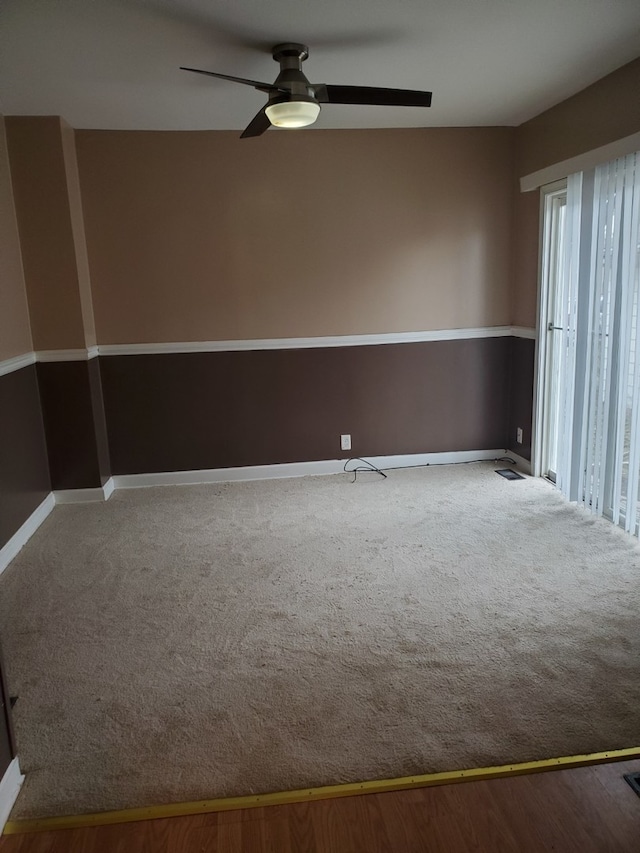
(290, 56)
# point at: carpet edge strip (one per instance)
(348, 789)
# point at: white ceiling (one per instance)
(114, 63)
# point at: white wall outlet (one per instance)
(345, 442)
(519, 435)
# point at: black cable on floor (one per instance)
(354, 471)
(372, 467)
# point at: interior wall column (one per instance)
(50, 222)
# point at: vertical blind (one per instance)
(599, 418)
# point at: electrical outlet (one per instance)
(519, 435)
(345, 442)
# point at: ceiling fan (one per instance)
(295, 102)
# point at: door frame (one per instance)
(547, 194)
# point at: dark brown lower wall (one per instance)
(99, 421)
(24, 484)
(174, 412)
(7, 744)
(24, 471)
(74, 424)
(521, 380)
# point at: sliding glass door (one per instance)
(590, 397)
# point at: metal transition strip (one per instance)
(327, 792)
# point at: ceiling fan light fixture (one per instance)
(295, 102)
(293, 113)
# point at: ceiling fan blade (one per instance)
(262, 87)
(257, 126)
(371, 95)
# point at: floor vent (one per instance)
(634, 780)
(508, 474)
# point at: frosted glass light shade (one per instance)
(293, 113)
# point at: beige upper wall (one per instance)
(604, 112)
(44, 221)
(601, 113)
(203, 236)
(15, 329)
(77, 229)
(524, 286)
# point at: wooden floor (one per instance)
(588, 810)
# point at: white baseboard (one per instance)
(10, 785)
(77, 496)
(228, 475)
(24, 533)
(294, 469)
(523, 464)
(67, 496)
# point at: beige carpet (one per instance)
(188, 642)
